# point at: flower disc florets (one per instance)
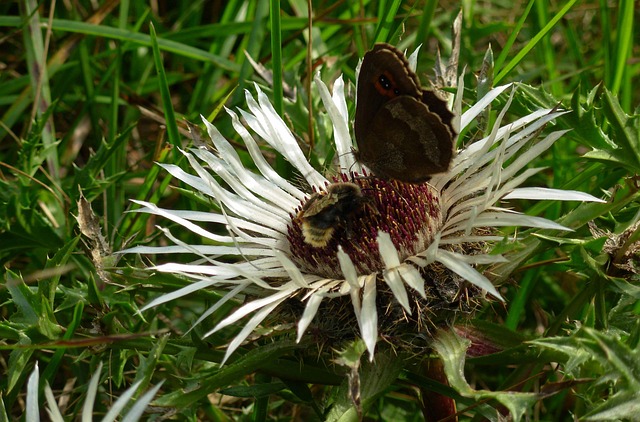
(410, 213)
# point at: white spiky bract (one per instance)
(256, 208)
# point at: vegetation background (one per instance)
(92, 94)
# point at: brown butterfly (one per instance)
(325, 211)
(403, 131)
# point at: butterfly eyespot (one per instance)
(385, 82)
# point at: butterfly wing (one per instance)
(439, 106)
(403, 132)
(407, 142)
(384, 75)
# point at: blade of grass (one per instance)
(276, 56)
(282, 166)
(534, 41)
(386, 21)
(426, 17)
(87, 79)
(147, 191)
(252, 45)
(36, 54)
(513, 35)
(517, 304)
(575, 49)
(624, 40)
(54, 363)
(205, 89)
(114, 195)
(548, 52)
(54, 63)
(169, 114)
(606, 41)
(136, 39)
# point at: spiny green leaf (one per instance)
(452, 350)
(626, 129)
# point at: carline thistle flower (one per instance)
(429, 237)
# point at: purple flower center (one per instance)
(410, 213)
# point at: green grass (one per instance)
(88, 108)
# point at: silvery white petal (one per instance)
(292, 270)
(310, 311)
(240, 206)
(336, 108)
(503, 219)
(210, 217)
(268, 124)
(388, 251)
(369, 315)
(231, 294)
(413, 58)
(238, 189)
(457, 240)
(452, 261)
(254, 305)
(249, 327)
(351, 276)
(141, 404)
(394, 281)
(87, 408)
(412, 277)
(475, 110)
(261, 163)
(176, 294)
(121, 403)
(551, 194)
(242, 180)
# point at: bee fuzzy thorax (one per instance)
(326, 211)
